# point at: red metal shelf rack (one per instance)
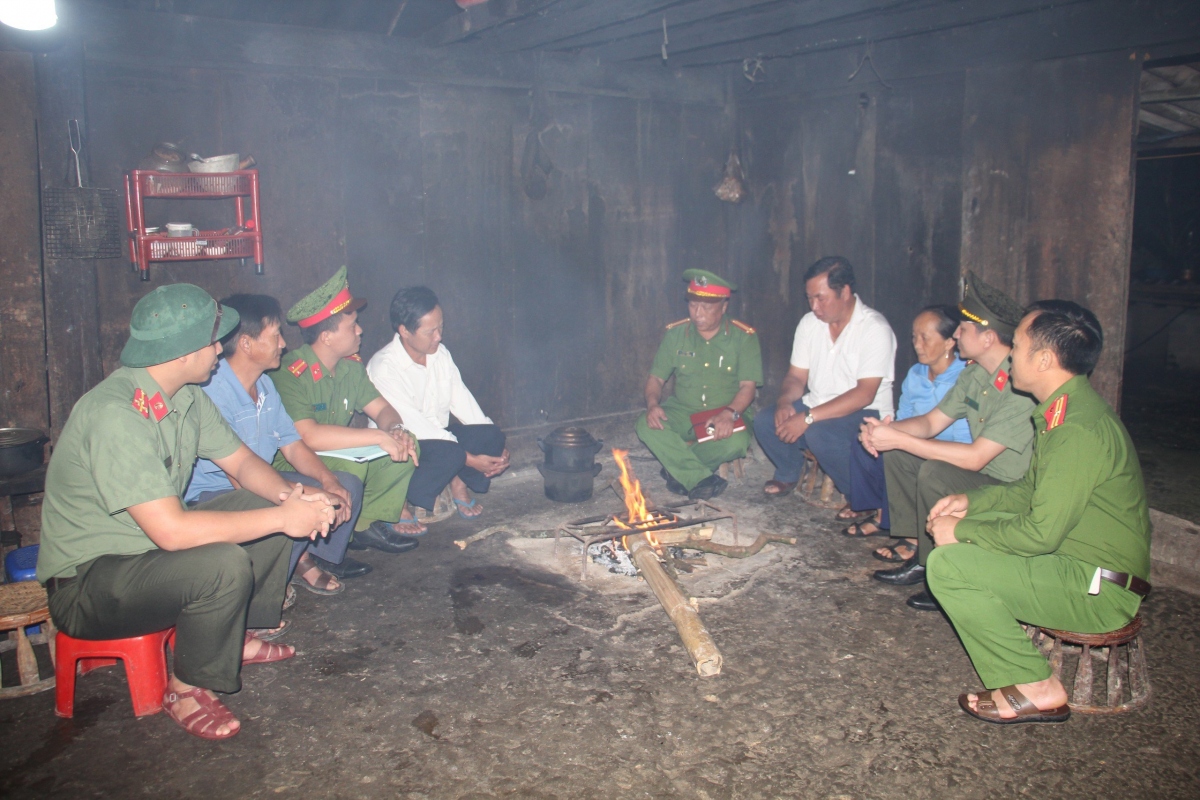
(241, 186)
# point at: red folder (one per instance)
(703, 428)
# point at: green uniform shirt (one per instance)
(1082, 497)
(708, 372)
(309, 391)
(995, 414)
(125, 443)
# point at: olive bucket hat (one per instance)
(173, 321)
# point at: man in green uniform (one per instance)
(122, 556)
(717, 364)
(322, 386)
(1066, 547)
(920, 469)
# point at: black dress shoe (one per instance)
(708, 488)
(922, 601)
(355, 545)
(906, 574)
(383, 536)
(673, 486)
(349, 568)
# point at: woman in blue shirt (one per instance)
(936, 370)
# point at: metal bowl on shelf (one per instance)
(225, 163)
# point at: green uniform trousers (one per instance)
(985, 594)
(385, 485)
(210, 593)
(914, 486)
(675, 445)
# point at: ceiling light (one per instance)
(28, 15)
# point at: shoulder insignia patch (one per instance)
(355, 357)
(316, 372)
(158, 406)
(1056, 414)
(1001, 380)
(679, 322)
(298, 366)
(743, 326)
(141, 403)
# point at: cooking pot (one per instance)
(569, 486)
(570, 449)
(21, 450)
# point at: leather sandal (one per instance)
(781, 489)
(204, 721)
(858, 531)
(324, 583)
(987, 710)
(890, 552)
(268, 652)
(269, 634)
(847, 514)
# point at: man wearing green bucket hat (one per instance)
(122, 556)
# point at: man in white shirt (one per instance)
(416, 374)
(842, 367)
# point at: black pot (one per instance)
(569, 487)
(21, 450)
(570, 450)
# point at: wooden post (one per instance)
(695, 636)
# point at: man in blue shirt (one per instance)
(250, 404)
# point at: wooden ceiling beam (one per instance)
(1171, 95)
(1163, 123)
(475, 19)
(877, 27)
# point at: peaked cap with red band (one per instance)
(705, 285)
(989, 307)
(332, 298)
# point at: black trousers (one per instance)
(211, 594)
(441, 460)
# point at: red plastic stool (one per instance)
(145, 668)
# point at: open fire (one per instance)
(638, 517)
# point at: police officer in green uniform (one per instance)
(120, 554)
(921, 470)
(717, 364)
(1066, 547)
(322, 385)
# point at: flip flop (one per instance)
(855, 531)
(204, 721)
(412, 521)
(893, 550)
(987, 710)
(459, 505)
(781, 489)
(268, 652)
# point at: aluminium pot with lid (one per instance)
(21, 450)
(570, 449)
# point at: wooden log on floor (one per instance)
(734, 551)
(696, 638)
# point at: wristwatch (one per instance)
(736, 414)
(808, 418)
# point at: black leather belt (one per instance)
(54, 584)
(1126, 581)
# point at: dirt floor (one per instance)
(494, 672)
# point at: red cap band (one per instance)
(334, 306)
(708, 291)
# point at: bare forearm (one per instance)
(336, 437)
(844, 404)
(257, 476)
(654, 387)
(965, 456)
(744, 397)
(388, 418)
(308, 463)
(791, 390)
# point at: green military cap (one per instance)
(172, 321)
(332, 298)
(705, 285)
(989, 307)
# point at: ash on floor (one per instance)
(488, 672)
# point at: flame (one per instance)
(635, 501)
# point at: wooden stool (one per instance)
(815, 487)
(738, 469)
(21, 605)
(1121, 672)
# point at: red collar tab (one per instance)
(1001, 380)
(316, 372)
(158, 407)
(141, 403)
(707, 289)
(298, 366)
(335, 306)
(355, 357)
(1056, 414)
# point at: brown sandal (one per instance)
(781, 489)
(987, 710)
(847, 514)
(268, 652)
(324, 583)
(204, 721)
(891, 552)
(859, 530)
